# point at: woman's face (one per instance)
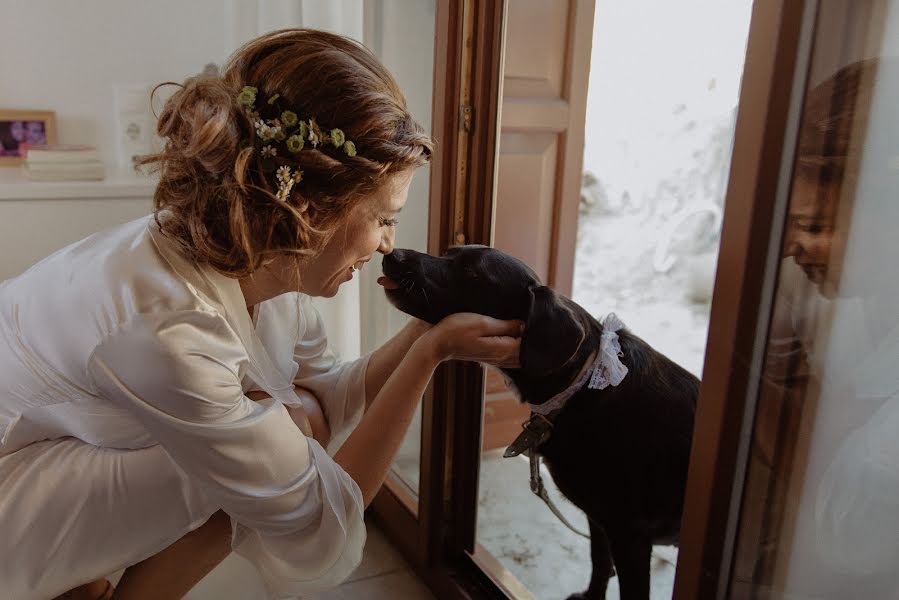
(810, 234)
(369, 228)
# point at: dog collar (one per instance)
(558, 401)
(603, 368)
(534, 432)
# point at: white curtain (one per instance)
(245, 20)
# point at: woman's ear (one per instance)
(551, 335)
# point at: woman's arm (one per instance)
(368, 452)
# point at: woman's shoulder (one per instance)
(182, 347)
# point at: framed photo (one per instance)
(19, 128)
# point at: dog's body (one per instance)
(621, 453)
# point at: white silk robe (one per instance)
(124, 424)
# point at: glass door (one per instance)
(635, 233)
(794, 487)
(820, 506)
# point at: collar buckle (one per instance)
(535, 432)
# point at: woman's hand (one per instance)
(469, 336)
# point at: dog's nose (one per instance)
(397, 256)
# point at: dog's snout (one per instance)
(397, 256)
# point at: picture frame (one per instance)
(19, 128)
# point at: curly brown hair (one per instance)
(830, 122)
(218, 200)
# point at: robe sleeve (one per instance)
(857, 501)
(339, 386)
(296, 514)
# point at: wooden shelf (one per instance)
(119, 183)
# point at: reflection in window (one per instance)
(820, 513)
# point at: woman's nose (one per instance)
(792, 247)
(386, 246)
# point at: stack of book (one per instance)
(61, 162)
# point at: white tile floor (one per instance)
(383, 575)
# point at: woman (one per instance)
(158, 377)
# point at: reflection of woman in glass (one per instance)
(834, 345)
(856, 500)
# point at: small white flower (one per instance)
(312, 135)
(283, 174)
(269, 152)
(266, 131)
(284, 189)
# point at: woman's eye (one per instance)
(389, 222)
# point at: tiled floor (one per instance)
(382, 575)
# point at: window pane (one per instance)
(820, 512)
(401, 34)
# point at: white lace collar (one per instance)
(603, 368)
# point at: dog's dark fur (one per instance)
(620, 454)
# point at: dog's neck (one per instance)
(537, 390)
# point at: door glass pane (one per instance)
(659, 129)
(401, 34)
(820, 511)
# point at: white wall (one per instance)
(70, 54)
(66, 57)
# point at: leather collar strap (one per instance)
(535, 431)
(558, 401)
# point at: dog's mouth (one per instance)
(387, 283)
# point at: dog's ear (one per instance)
(551, 335)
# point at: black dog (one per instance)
(620, 454)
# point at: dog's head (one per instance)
(483, 280)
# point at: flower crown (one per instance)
(290, 134)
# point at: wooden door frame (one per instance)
(437, 541)
(777, 61)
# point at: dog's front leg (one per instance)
(602, 565)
